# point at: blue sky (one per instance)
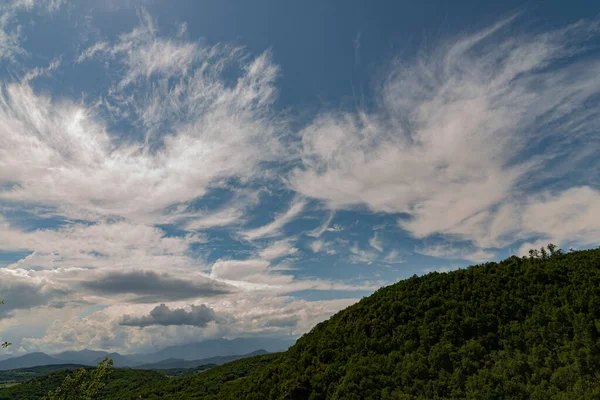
(258, 166)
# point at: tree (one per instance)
(83, 385)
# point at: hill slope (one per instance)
(521, 329)
(122, 380)
(526, 329)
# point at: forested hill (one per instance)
(521, 329)
(516, 329)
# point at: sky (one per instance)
(178, 171)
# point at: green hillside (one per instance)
(518, 329)
(122, 380)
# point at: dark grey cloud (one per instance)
(151, 287)
(25, 295)
(162, 315)
(283, 322)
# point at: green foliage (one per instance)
(523, 328)
(81, 384)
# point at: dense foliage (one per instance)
(121, 380)
(524, 328)
(83, 384)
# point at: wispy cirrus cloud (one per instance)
(451, 251)
(278, 249)
(375, 242)
(217, 131)
(467, 147)
(273, 228)
(11, 30)
(461, 131)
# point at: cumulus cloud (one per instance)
(95, 331)
(22, 290)
(162, 315)
(460, 131)
(150, 287)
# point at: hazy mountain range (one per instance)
(215, 351)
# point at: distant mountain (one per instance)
(85, 356)
(173, 363)
(213, 348)
(119, 360)
(29, 360)
(215, 351)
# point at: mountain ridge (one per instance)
(214, 349)
(180, 363)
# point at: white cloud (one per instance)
(101, 245)
(75, 166)
(145, 53)
(571, 217)
(238, 270)
(459, 132)
(224, 217)
(97, 331)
